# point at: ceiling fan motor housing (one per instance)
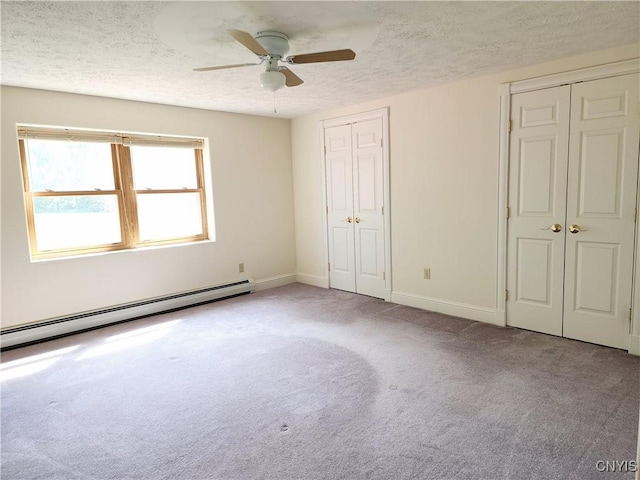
(276, 43)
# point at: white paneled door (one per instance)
(355, 202)
(601, 203)
(537, 186)
(572, 202)
(339, 165)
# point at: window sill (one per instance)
(124, 251)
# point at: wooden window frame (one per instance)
(124, 188)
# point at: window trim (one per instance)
(124, 187)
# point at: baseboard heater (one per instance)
(57, 327)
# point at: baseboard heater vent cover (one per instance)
(56, 327)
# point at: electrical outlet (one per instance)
(427, 273)
(241, 268)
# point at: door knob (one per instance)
(348, 220)
(556, 227)
(574, 228)
(357, 220)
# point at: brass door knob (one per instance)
(357, 220)
(574, 228)
(556, 227)
(348, 220)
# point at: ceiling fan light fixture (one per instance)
(272, 80)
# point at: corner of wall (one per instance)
(277, 281)
(314, 280)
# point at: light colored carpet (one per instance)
(305, 383)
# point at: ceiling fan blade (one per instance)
(291, 79)
(246, 39)
(332, 56)
(224, 67)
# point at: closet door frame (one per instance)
(383, 114)
(506, 90)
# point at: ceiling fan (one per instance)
(271, 48)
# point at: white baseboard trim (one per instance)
(314, 280)
(471, 312)
(277, 281)
(634, 345)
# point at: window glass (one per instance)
(159, 168)
(169, 215)
(73, 221)
(60, 166)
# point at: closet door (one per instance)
(368, 201)
(601, 202)
(537, 206)
(339, 171)
(572, 196)
(355, 200)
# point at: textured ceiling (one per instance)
(146, 50)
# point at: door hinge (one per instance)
(508, 212)
(509, 126)
(327, 207)
(325, 150)
(382, 210)
(635, 215)
(384, 275)
(329, 266)
(380, 143)
(506, 295)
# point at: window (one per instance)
(100, 191)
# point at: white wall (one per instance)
(444, 188)
(252, 183)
